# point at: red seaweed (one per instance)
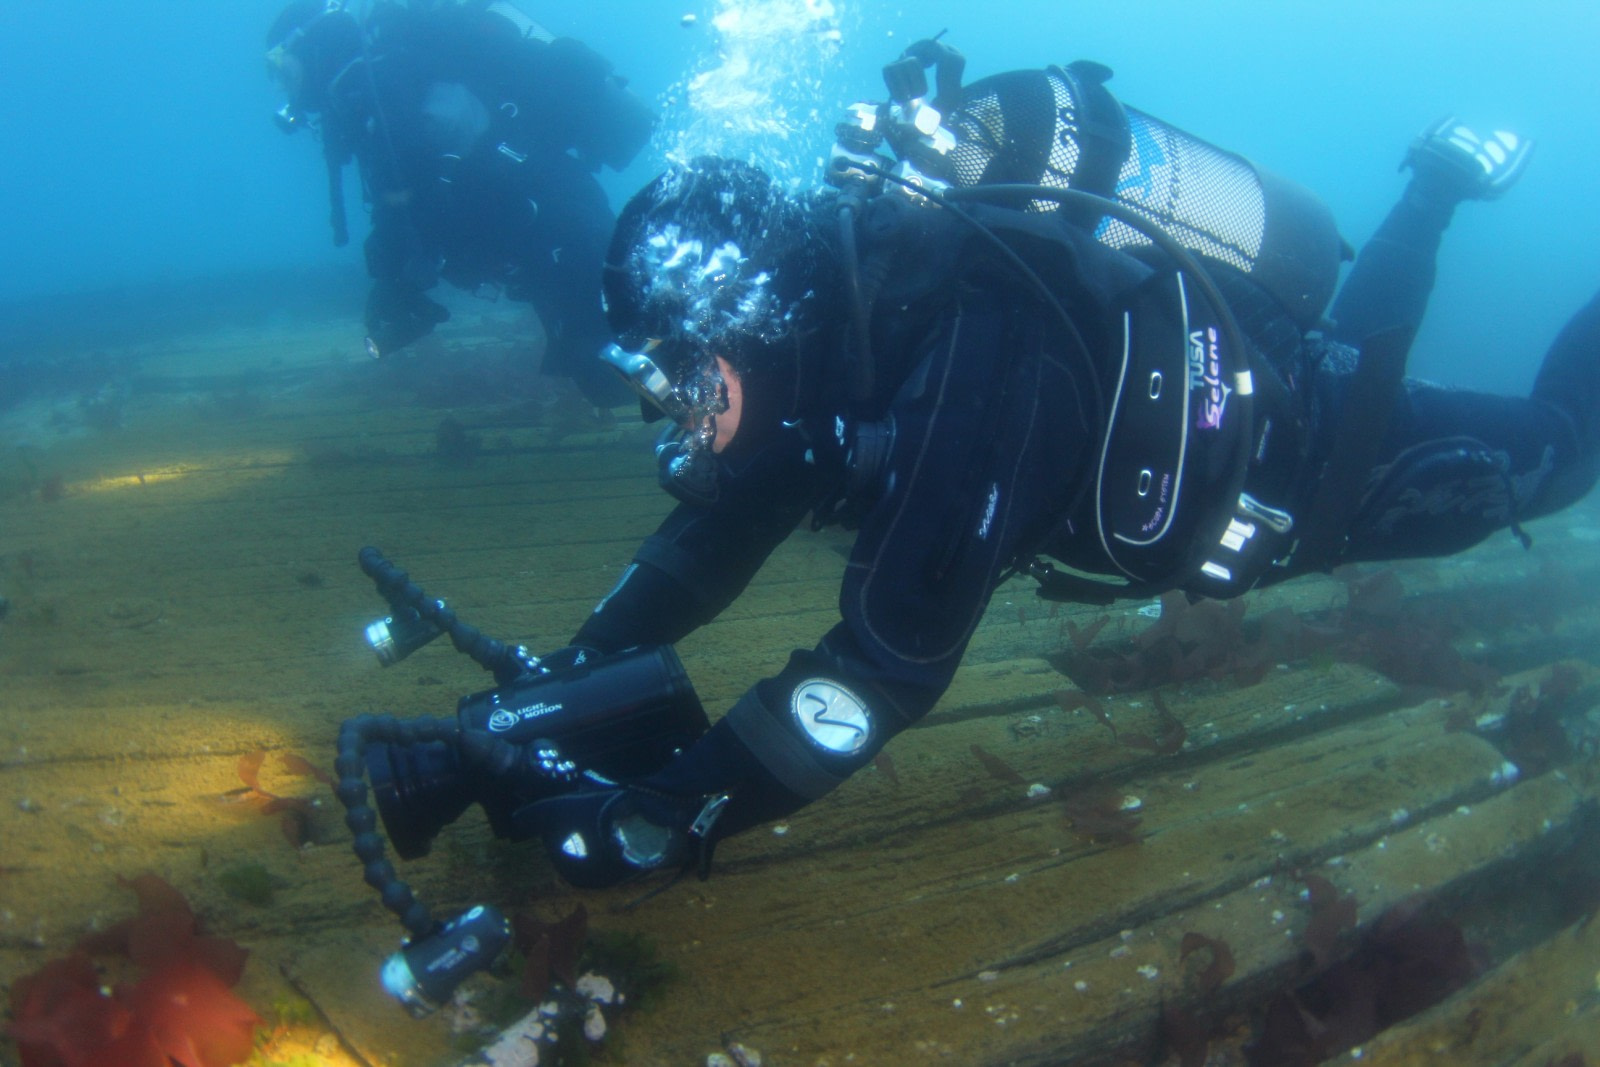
(998, 768)
(1168, 741)
(1099, 818)
(1173, 733)
(179, 1010)
(297, 812)
(1533, 736)
(1404, 964)
(1221, 966)
(1413, 640)
(1186, 1034)
(296, 827)
(1083, 638)
(1331, 915)
(272, 804)
(550, 950)
(1071, 700)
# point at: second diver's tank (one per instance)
(1062, 128)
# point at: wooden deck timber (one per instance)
(192, 597)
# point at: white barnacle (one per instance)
(597, 987)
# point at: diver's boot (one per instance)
(1393, 276)
(1450, 163)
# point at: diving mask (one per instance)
(693, 403)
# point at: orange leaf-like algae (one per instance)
(296, 811)
(250, 768)
(297, 764)
(179, 1011)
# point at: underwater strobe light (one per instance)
(397, 635)
(549, 726)
(425, 973)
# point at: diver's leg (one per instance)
(1393, 276)
(566, 256)
(1569, 383)
(1461, 465)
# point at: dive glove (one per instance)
(597, 837)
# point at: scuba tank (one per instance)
(1062, 128)
(1187, 493)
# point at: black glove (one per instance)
(598, 837)
(398, 315)
(600, 833)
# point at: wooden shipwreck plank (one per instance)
(1023, 912)
(162, 629)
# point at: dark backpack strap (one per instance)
(1369, 402)
(338, 221)
(1104, 138)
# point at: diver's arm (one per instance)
(702, 556)
(985, 458)
(789, 741)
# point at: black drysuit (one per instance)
(994, 404)
(477, 155)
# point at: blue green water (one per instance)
(138, 145)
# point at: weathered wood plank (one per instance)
(1035, 1011)
(158, 631)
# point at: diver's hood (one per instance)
(322, 37)
(715, 258)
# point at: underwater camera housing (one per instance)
(548, 727)
(525, 741)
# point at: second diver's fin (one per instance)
(1472, 166)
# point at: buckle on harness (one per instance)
(709, 814)
(1280, 521)
(1243, 568)
(700, 832)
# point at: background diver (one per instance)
(1048, 326)
(477, 135)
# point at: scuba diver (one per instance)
(1025, 329)
(477, 135)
